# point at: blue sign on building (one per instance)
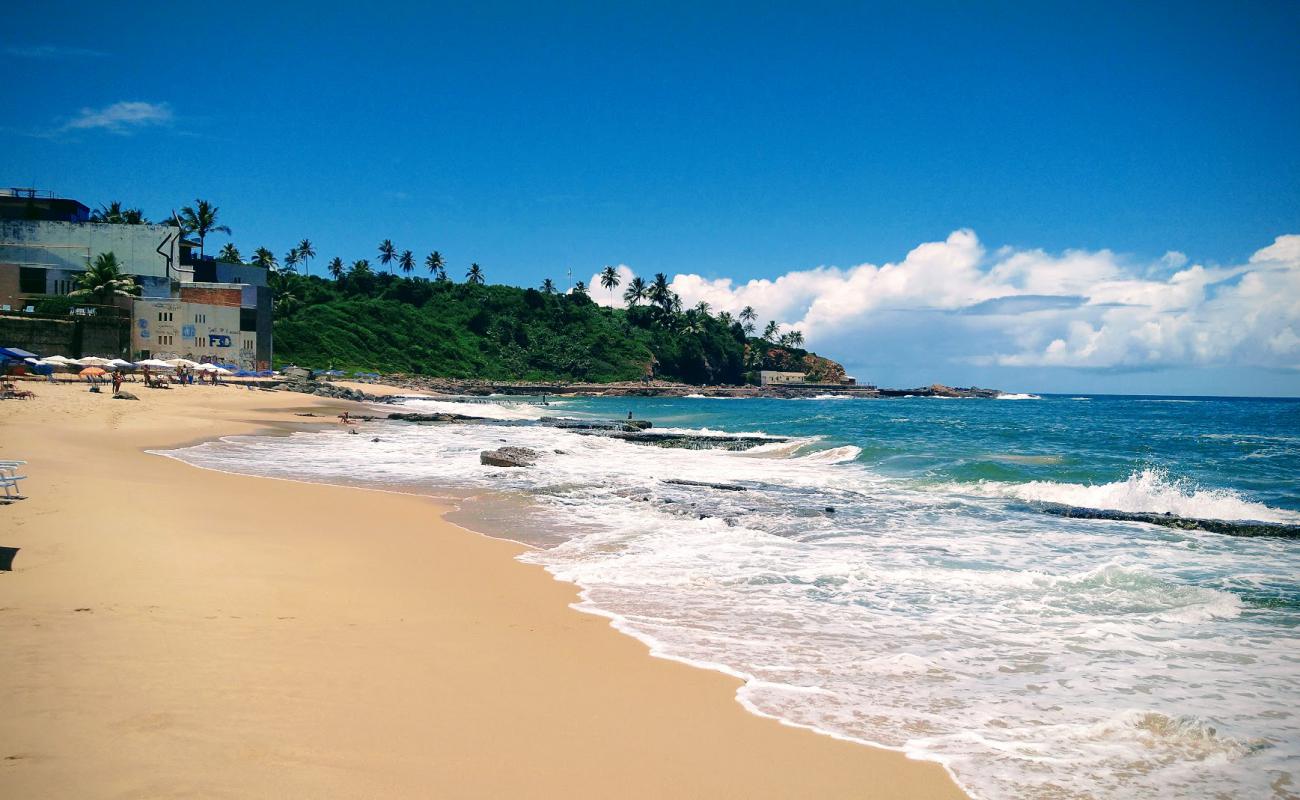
(187, 331)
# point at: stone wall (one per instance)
(66, 337)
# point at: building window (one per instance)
(164, 339)
(31, 280)
(200, 318)
(64, 286)
(164, 316)
(248, 344)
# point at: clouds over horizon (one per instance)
(1031, 308)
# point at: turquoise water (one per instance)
(888, 577)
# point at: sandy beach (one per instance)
(175, 632)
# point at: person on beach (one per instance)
(117, 381)
(345, 419)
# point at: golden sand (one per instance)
(174, 632)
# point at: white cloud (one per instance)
(1090, 309)
(122, 117)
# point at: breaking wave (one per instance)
(1146, 491)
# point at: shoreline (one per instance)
(159, 671)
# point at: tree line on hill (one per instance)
(362, 318)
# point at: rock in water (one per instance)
(726, 487)
(124, 396)
(509, 457)
(1227, 527)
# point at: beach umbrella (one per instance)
(120, 363)
(58, 360)
(94, 361)
(154, 363)
(92, 372)
(182, 362)
(222, 371)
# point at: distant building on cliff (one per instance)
(188, 306)
(770, 377)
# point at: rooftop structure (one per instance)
(34, 204)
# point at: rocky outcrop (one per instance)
(688, 441)
(509, 457)
(1227, 527)
(725, 487)
(327, 389)
(625, 426)
(939, 390)
(439, 417)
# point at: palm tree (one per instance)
(336, 268)
(111, 213)
(264, 258)
(748, 316)
(104, 280)
(407, 262)
(769, 333)
(725, 318)
(635, 292)
(548, 286)
(305, 253)
(702, 308)
(230, 254)
(200, 219)
(361, 267)
(436, 266)
(580, 288)
(475, 275)
(387, 253)
(291, 260)
(609, 279)
(796, 338)
(660, 294)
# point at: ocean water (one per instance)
(888, 578)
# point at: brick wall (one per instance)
(214, 297)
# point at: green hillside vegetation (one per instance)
(359, 319)
(362, 320)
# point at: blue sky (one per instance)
(741, 141)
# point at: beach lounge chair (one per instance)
(10, 485)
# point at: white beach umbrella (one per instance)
(207, 367)
(182, 362)
(59, 360)
(93, 361)
(119, 363)
(222, 371)
(154, 363)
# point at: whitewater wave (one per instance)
(497, 409)
(1014, 396)
(834, 455)
(1145, 491)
